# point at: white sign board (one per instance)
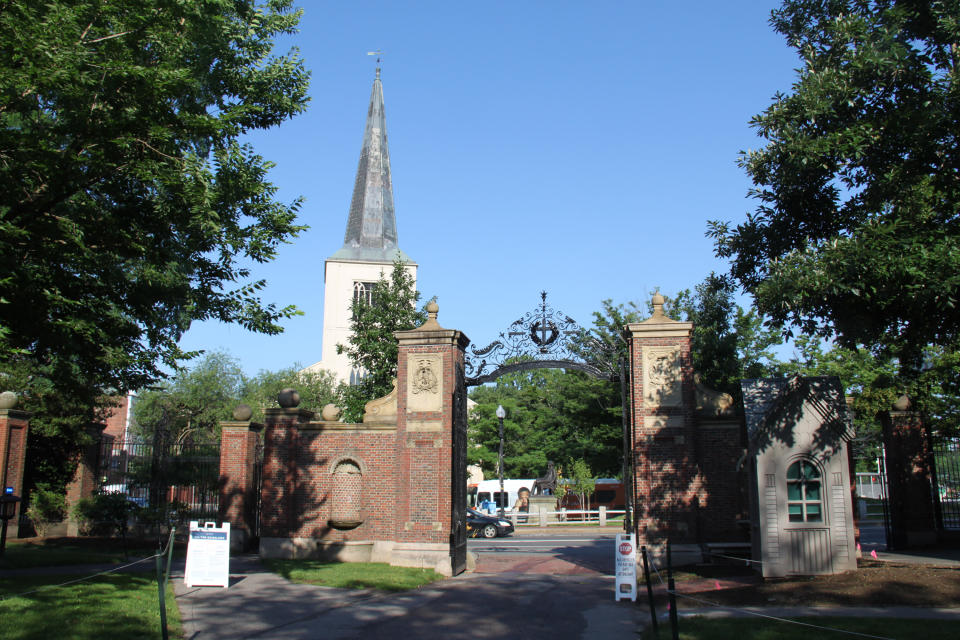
(208, 555)
(626, 567)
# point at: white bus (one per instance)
(486, 495)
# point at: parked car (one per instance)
(480, 525)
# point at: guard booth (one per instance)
(801, 509)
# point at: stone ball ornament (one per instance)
(903, 403)
(8, 400)
(242, 413)
(331, 412)
(288, 398)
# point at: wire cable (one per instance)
(761, 615)
(84, 578)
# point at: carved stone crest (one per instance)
(425, 379)
(424, 385)
(662, 377)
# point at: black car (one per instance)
(480, 525)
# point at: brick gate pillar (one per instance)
(85, 480)
(667, 479)
(13, 451)
(282, 494)
(909, 472)
(428, 361)
(238, 458)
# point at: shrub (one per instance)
(104, 513)
(46, 508)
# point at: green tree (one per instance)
(856, 228)
(129, 207)
(551, 415)
(871, 380)
(60, 426)
(581, 482)
(192, 404)
(371, 345)
(316, 388)
(556, 414)
(729, 343)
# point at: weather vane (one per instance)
(377, 53)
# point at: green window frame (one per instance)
(804, 492)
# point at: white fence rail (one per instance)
(869, 485)
(599, 517)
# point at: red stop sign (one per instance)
(626, 548)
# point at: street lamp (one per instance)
(501, 414)
(8, 507)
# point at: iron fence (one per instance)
(167, 479)
(946, 457)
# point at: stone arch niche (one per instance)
(346, 494)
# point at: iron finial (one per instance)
(377, 53)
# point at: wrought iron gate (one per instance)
(946, 455)
(458, 467)
(548, 339)
(174, 481)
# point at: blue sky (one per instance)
(574, 147)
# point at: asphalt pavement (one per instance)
(549, 585)
(531, 606)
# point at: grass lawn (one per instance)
(110, 606)
(352, 575)
(52, 552)
(760, 629)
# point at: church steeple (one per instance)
(369, 246)
(372, 226)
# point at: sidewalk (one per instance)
(491, 606)
(260, 604)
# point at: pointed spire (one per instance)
(372, 226)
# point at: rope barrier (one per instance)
(746, 560)
(787, 620)
(762, 615)
(84, 578)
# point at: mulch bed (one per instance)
(873, 584)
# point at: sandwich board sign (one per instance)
(208, 555)
(626, 568)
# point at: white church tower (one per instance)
(370, 245)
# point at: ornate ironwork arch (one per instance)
(541, 339)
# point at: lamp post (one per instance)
(501, 414)
(8, 507)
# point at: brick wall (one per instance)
(667, 476)
(909, 471)
(687, 483)
(85, 480)
(116, 418)
(724, 505)
(238, 500)
(13, 450)
(424, 452)
(303, 495)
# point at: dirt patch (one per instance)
(873, 584)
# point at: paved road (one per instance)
(555, 552)
(474, 606)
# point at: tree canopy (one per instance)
(729, 343)
(190, 406)
(129, 206)
(856, 228)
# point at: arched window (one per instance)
(804, 498)
(364, 291)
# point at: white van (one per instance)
(488, 497)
